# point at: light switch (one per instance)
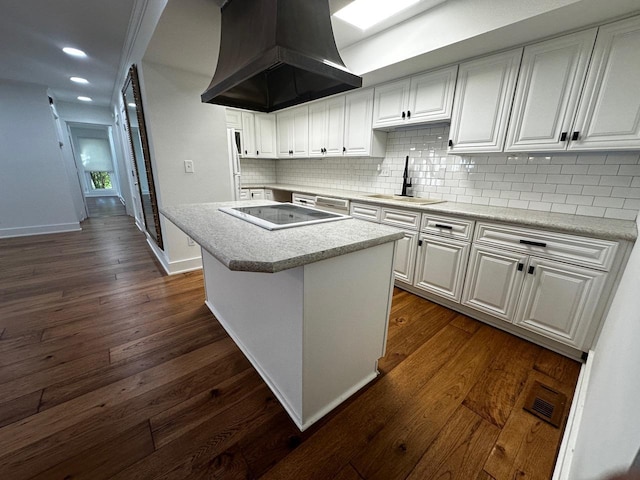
(188, 166)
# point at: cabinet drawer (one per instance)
(400, 218)
(590, 252)
(365, 212)
(301, 199)
(447, 226)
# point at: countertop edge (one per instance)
(253, 265)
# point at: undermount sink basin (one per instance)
(400, 198)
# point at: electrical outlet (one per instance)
(385, 172)
(188, 166)
(190, 242)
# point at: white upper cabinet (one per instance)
(484, 94)
(422, 98)
(550, 81)
(359, 138)
(234, 118)
(248, 135)
(609, 112)
(326, 127)
(265, 136)
(390, 103)
(293, 132)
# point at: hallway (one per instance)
(106, 206)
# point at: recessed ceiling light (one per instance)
(131, 104)
(366, 13)
(85, 99)
(79, 80)
(74, 52)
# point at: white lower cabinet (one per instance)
(441, 266)
(405, 257)
(493, 281)
(559, 300)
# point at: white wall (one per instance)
(460, 29)
(609, 435)
(34, 189)
(180, 127)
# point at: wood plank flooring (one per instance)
(110, 369)
(105, 206)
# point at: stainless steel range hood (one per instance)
(275, 54)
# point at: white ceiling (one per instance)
(33, 32)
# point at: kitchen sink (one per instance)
(400, 198)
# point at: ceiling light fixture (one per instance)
(367, 13)
(85, 99)
(74, 52)
(84, 81)
(131, 104)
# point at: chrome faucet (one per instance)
(406, 181)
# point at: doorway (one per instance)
(97, 169)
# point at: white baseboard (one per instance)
(176, 267)
(563, 466)
(39, 230)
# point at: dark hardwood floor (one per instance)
(105, 206)
(110, 369)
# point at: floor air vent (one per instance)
(546, 403)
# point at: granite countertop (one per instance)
(604, 228)
(243, 246)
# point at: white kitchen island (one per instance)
(309, 306)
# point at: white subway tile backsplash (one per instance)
(579, 200)
(620, 214)
(599, 191)
(542, 206)
(574, 169)
(619, 181)
(586, 184)
(591, 159)
(585, 180)
(626, 192)
(591, 211)
(569, 189)
(633, 170)
(564, 208)
(531, 196)
(544, 187)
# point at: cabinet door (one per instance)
(234, 118)
(559, 301)
(357, 123)
(300, 132)
(494, 278)
(334, 126)
(609, 112)
(248, 135)
(405, 257)
(441, 266)
(265, 126)
(390, 103)
(549, 85)
(284, 121)
(431, 96)
(484, 94)
(318, 128)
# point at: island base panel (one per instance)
(314, 333)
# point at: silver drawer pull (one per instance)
(533, 244)
(446, 227)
